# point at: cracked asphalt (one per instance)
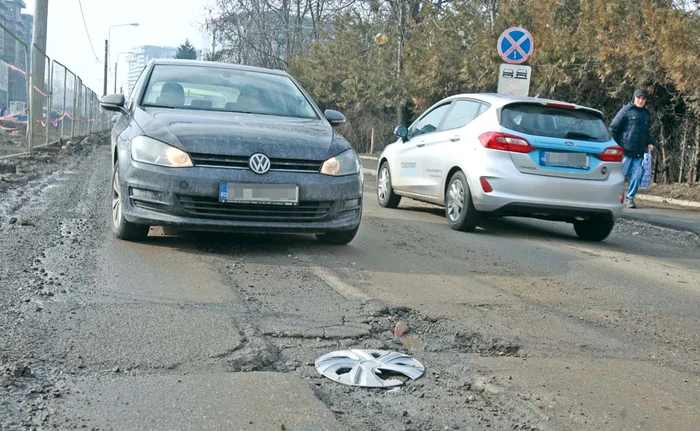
(520, 325)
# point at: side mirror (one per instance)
(401, 132)
(113, 102)
(334, 117)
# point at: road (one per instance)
(520, 325)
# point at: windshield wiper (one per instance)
(578, 135)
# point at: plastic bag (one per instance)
(646, 171)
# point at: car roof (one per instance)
(499, 100)
(182, 62)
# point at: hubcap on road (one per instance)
(369, 368)
(116, 203)
(383, 187)
(455, 200)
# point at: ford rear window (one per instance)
(554, 122)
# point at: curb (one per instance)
(366, 157)
(658, 199)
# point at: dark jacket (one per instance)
(631, 130)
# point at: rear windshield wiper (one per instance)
(578, 135)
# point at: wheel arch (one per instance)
(446, 181)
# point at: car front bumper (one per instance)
(188, 199)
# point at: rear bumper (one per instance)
(542, 196)
(551, 212)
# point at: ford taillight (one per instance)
(505, 142)
(611, 154)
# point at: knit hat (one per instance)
(641, 92)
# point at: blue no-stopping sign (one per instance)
(515, 45)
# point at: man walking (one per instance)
(631, 130)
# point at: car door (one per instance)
(409, 172)
(446, 143)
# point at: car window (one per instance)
(224, 89)
(462, 112)
(429, 123)
(555, 122)
(135, 89)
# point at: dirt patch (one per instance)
(680, 191)
(17, 171)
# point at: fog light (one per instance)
(147, 195)
(352, 203)
(485, 185)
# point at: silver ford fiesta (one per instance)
(497, 155)
(220, 147)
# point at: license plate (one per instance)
(564, 160)
(275, 194)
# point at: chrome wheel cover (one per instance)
(116, 201)
(455, 200)
(383, 184)
(368, 368)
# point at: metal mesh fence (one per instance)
(42, 106)
(69, 106)
(40, 101)
(13, 93)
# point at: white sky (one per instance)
(161, 22)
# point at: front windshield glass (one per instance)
(222, 89)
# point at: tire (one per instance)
(121, 228)
(459, 208)
(338, 237)
(594, 229)
(385, 192)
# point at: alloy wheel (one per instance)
(383, 186)
(116, 200)
(455, 200)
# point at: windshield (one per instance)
(223, 89)
(555, 122)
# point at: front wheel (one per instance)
(594, 229)
(459, 208)
(121, 228)
(338, 237)
(385, 192)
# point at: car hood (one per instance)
(239, 134)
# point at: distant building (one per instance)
(141, 55)
(13, 84)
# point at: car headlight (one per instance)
(148, 150)
(345, 163)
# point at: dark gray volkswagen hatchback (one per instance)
(220, 147)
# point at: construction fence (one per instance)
(43, 106)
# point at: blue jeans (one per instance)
(632, 168)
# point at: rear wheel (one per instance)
(459, 208)
(385, 192)
(338, 237)
(121, 228)
(594, 229)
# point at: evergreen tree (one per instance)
(186, 51)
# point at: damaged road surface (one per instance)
(520, 325)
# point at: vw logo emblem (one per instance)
(259, 163)
(569, 144)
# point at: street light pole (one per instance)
(104, 89)
(108, 44)
(116, 68)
